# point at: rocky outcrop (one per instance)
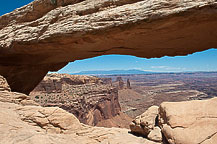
(92, 100)
(146, 122)
(192, 122)
(155, 135)
(33, 124)
(128, 84)
(147, 125)
(53, 83)
(189, 122)
(44, 36)
(121, 84)
(7, 96)
(4, 85)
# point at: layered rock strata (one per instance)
(92, 100)
(44, 36)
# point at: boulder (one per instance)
(155, 135)
(146, 122)
(189, 122)
(4, 85)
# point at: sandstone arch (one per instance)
(42, 37)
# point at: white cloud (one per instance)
(159, 67)
(168, 68)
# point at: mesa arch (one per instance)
(42, 36)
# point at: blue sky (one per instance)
(201, 61)
(7, 6)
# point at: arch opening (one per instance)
(125, 64)
(32, 45)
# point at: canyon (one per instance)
(45, 35)
(153, 89)
(94, 101)
(113, 100)
(24, 121)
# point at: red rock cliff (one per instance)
(92, 100)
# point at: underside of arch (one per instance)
(42, 37)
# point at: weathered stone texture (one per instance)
(91, 99)
(42, 36)
(146, 122)
(192, 122)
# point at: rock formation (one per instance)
(44, 36)
(4, 85)
(24, 121)
(92, 100)
(120, 82)
(128, 84)
(155, 135)
(147, 125)
(53, 83)
(188, 122)
(192, 122)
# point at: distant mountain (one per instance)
(112, 72)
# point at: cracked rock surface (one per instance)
(191, 122)
(187, 122)
(44, 36)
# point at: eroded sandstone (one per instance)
(45, 36)
(4, 85)
(94, 101)
(33, 124)
(145, 123)
(187, 122)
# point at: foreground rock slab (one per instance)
(37, 125)
(187, 122)
(192, 122)
(44, 35)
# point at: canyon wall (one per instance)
(92, 100)
(44, 36)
